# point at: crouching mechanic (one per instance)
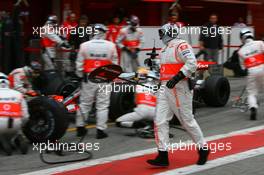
(92, 54)
(252, 58)
(145, 101)
(21, 79)
(175, 96)
(13, 113)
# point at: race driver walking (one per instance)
(252, 58)
(92, 54)
(177, 64)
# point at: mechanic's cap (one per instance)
(171, 30)
(142, 73)
(100, 27)
(246, 33)
(134, 20)
(35, 66)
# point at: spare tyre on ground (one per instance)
(216, 91)
(48, 120)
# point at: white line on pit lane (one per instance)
(89, 163)
(215, 163)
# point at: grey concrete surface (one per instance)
(213, 121)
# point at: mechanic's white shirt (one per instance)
(145, 95)
(48, 32)
(10, 96)
(132, 39)
(19, 80)
(95, 49)
(251, 50)
(179, 51)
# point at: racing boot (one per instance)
(100, 134)
(162, 159)
(203, 155)
(81, 131)
(21, 143)
(253, 114)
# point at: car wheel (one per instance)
(122, 100)
(48, 120)
(67, 87)
(50, 82)
(216, 91)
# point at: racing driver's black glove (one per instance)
(172, 82)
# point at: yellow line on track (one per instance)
(88, 127)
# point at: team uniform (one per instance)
(20, 81)
(252, 58)
(93, 54)
(13, 109)
(113, 32)
(130, 42)
(145, 110)
(175, 57)
(49, 41)
(175, 96)
(67, 26)
(13, 114)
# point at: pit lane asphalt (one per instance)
(213, 121)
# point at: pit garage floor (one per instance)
(213, 121)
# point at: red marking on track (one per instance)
(178, 159)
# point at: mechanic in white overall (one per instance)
(175, 96)
(252, 58)
(93, 54)
(20, 79)
(130, 41)
(50, 39)
(145, 100)
(13, 113)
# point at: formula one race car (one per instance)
(49, 114)
(214, 90)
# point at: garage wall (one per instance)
(151, 34)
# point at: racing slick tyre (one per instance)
(67, 87)
(48, 120)
(121, 100)
(51, 81)
(216, 91)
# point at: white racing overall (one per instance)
(252, 58)
(176, 56)
(93, 54)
